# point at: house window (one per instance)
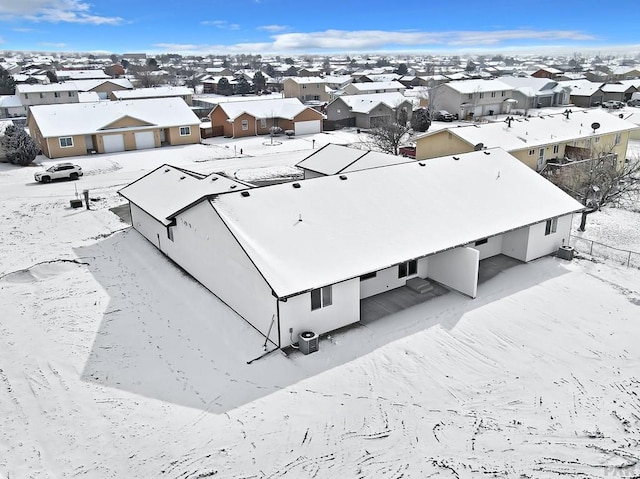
(502, 93)
(304, 87)
(263, 123)
(66, 142)
(481, 94)
(407, 269)
(367, 276)
(551, 226)
(493, 94)
(41, 95)
(618, 138)
(56, 94)
(470, 96)
(532, 152)
(320, 298)
(596, 139)
(26, 96)
(556, 149)
(482, 241)
(245, 125)
(170, 233)
(70, 94)
(185, 131)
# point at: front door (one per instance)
(540, 159)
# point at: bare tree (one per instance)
(597, 181)
(388, 136)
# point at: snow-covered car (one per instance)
(58, 171)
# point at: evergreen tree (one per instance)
(224, 87)
(7, 84)
(19, 146)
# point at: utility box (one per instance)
(308, 342)
(565, 252)
(76, 203)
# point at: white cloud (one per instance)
(378, 40)
(69, 11)
(53, 44)
(221, 24)
(273, 28)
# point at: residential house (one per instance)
(107, 127)
(531, 92)
(584, 93)
(256, 117)
(625, 72)
(306, 89)
(617, 91)
(536, 140)
(474, 98)
(334, 159)
(51, 94)
(11, 107)
(367, 88)
(547, 72)
(103, 87)
(155, 92)
(64, 75)
(305, 256)
(367, 111)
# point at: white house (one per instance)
(301, 256)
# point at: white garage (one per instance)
(113, 143)
(307, 127)
(144, 140)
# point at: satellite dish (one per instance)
(478, 147)
(595, 125)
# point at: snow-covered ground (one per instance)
(114, 363)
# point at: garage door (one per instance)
(307, 127)
(113, 143)
(145, 139)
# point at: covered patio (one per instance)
(398, 299)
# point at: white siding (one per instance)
(148, 226)
(204, 247)
(541, 244)
(387, 279)
(514, 243)
(457, 269)
(492, 247)
(296, 312)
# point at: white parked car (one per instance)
(58, 171)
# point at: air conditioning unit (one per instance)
(308, 342)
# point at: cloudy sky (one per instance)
(296, 27)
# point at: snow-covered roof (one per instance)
(306, 80)
(86, 85)
(88, 96)
(81, 74)
(287, 108)
(332, 159)
(465, 87)
(50, 87)
(531, 86)
(367, 102)
(10, 101)
(156, 92)
(334, 228)
(581, 87)
(615, 87)
(90, 118)
(378, 85)
(540, 130)
(168, 189)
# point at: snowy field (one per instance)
(114, 363)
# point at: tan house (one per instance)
(154, 92)
(535, 141)
(256, 117)
(306, 89)
(108, 127)
(103, 87)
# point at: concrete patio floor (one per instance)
(398, 299)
